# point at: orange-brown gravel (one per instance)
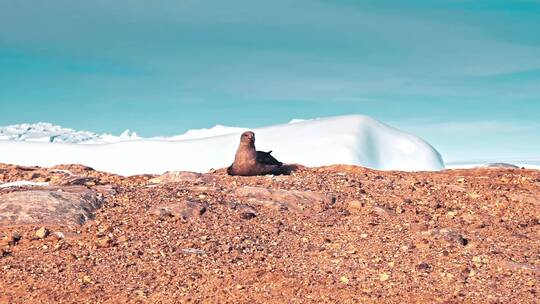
(455, 236)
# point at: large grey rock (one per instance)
(71, 205)
(292, 200)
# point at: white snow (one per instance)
(23, 184)
(47, 132)
(352, 139)
(44, 132)
(295, 120)
(202, 133)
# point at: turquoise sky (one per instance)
(465, 75)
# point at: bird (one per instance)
(249, 162)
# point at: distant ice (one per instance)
(47, 132)
(524, 163)
(353, 139)
(44, 132)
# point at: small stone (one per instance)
(423, 267)
(344, 280)
(42, 232)
(247, 212)
(193, 251)
(452, 235)
(473, 195)
(59, 235)
(354, 205)
(14, 238)
(4, 252)
(384, 277)
(451, 214)
(383, 211)
(86, 280)
(105, 229)
(104, 242)
(419, 227)
(477, 261)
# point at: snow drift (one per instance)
(353, 139)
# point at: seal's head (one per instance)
(247, 138)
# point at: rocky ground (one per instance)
(338, 234)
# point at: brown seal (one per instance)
(249, 162)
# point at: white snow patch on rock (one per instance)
(23, 184)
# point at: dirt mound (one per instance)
(338, 234)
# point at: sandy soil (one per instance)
(455, 236)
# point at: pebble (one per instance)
(423, 266)
(42, 232)
(354, 205)
(247, 213)
(59, 235)
(193, 251)
(104, 242)
(477, 261)
(86, 280)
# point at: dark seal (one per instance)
(249, 162)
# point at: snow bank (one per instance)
(352, 139)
